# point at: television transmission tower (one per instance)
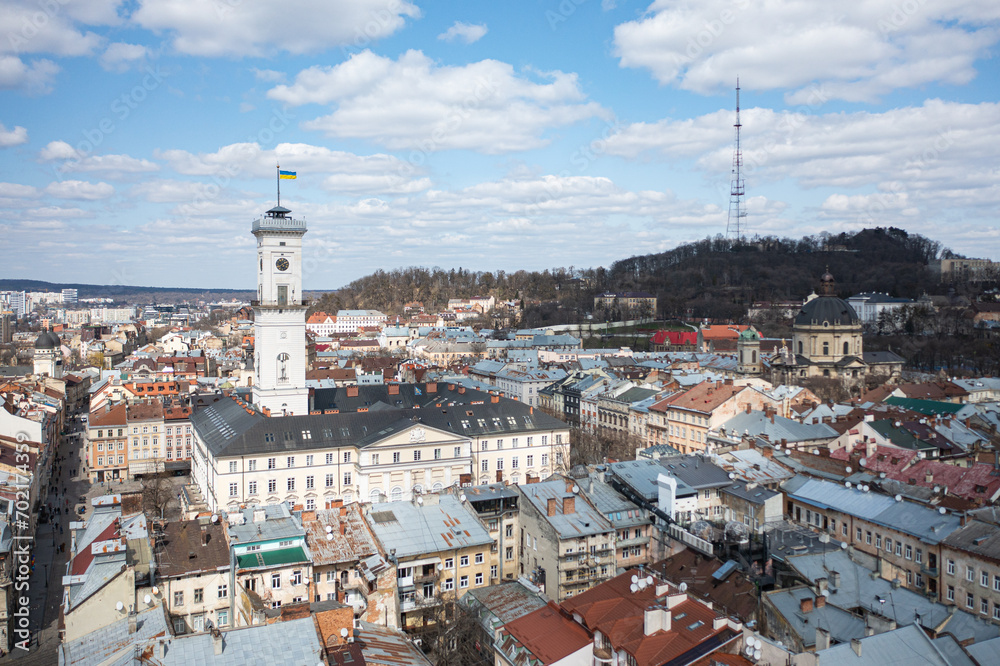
(736, 228)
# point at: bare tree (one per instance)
(156, 493)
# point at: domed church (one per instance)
(826, 340)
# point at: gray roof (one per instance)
(860, 588)
(752, 465)
(112, 643)
(696, 471)
(228, 429)
(279, 523)
(756, 495)
(640, 476)
(842, 625)
(584, 520)
(985, 652)
(502, 603)
(830, 309)
(288, 642)
(921, 521)
(777, 428)
(907, 646)
(620, 511)
(440, 523)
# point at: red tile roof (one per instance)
(675, 338)
(547, 634)
(704, 397)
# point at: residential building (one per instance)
(273, 562)
(627, 304)
(496, 606)
(193, 574)
(496, 504)
(440, 550)
(568, 545)
(970, 564)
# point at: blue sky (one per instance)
(139, 139)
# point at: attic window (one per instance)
(288, 436)
(512, 421)
(465, 423)
(327, 433)
(695, 625)
(681, 616)
(269, 437)
(469, 413)
(345, 432)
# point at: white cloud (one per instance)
(79, 189)
(351, 174)
(465, 32)
(412, 103)
(18, 191)
(856, 51)
(236, 28)
(120, 56)
(268, 75)
(34, 78)
(33, 27)
(14, 137)
(75, 161)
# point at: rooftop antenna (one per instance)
(736, 227)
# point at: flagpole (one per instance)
(278, 180)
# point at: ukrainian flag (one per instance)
(290, 175)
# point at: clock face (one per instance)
(281, 264)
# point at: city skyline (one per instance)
(138, 141)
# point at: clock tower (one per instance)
(280, 315)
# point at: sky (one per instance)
(140, 138)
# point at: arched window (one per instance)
(418, 489)
(800, 346)
(375, 495)
(437, 487)
(826, 349)
(753, 356)
(847, 347)
(396, 495)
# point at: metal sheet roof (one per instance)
(441, 523)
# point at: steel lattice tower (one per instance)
(736, 227)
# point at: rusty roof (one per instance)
(190, 547)
(350, 540)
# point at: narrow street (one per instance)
(49, 560)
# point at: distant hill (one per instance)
(714, 278)
(128, 293)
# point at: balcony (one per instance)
(275, 223)
(930, 572)
(635, 541)
(420, 579)
(418, 601)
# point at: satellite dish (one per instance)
(420, 500)
(843, 545)
(329, 528)
(899, 498)
(847, 484)
(635, 579)
(119, 607)
(147, 598)
(826, 593)
(732, 475)
(756, 653)
(215, 517)
(847, 469)
(576, 489)
(881, 475)
(461, 498)
(942, 510)
(329, 536)
(937, 489)
(683, 587)
(343, 632)
(156, 590)
(649, 580)
(815, 452)
(633, 587)
(863, 461)
(866, 488)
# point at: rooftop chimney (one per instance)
(856, 646)
(569, 505)
(655, 619)
(928, 477)
(820, 601)
(822, 639)
(806, 605)
(552, 506)
(133, 623)
(835, 578)
(217, 645)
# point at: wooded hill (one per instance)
(714, 278)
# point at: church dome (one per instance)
(47, 340)
(827, 309)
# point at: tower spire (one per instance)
(736, 227)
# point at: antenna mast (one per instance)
(736, 228)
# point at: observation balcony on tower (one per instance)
(278, 219)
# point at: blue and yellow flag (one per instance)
(290, 175)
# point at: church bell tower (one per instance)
(280, 315)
